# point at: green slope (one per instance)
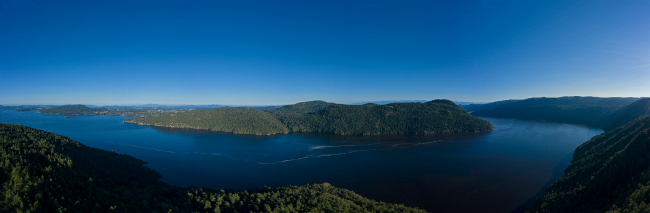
(609, 173)
(238, 120)
(300, 108)
(45, 172)
(438, 116)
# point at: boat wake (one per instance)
(318, 156)
(312, 148)
(325, 147)
(348, 152)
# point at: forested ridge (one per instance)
(609, 173)
(238, 120)
(300, 108)
(438, 116)
(589, 111)
(45, 172)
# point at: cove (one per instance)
(478, 172)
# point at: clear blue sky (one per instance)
(283, 52)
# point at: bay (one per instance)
(471, 172)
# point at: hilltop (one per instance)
(438, 116)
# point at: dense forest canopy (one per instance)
(590, 111)
(609, 173)
(238, 120)
(300, 108)
(438, 116)
(45, 172)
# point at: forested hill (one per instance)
(238, 120)
(299, 108)
(628, 113)
(438, 116)
(45, 172)
(609, 173)
(590, 111)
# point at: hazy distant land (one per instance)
(589, 111)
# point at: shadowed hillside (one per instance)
(628, 113)
(590, 111)
(609, 173)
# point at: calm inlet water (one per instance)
(482, 172)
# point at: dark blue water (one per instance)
(478, 172)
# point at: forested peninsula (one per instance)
(238, 120)
(589, 111)
(438, 116)
(45, 172)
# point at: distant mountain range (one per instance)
(590, 111)
(413, 101)
(158, 106)
(388, 102)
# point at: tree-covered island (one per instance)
(438, 116)
(238, 120)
